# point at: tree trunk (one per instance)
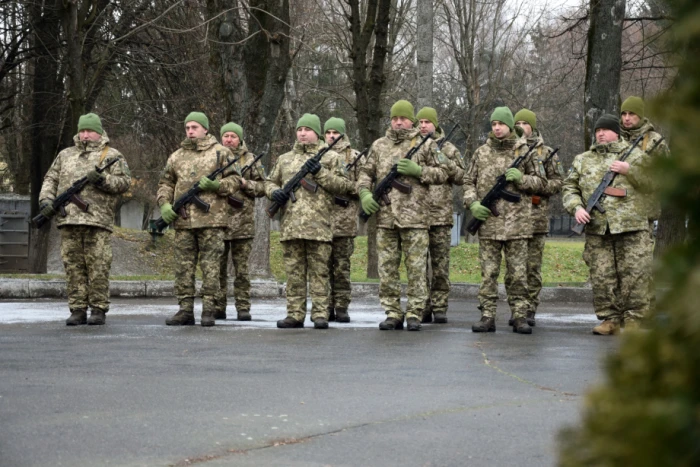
(424, 53)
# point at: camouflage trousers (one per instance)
(339, 272)
(535, 250)
(515, 252)
(440, 237)
(413, 243)
(307, 259)
(239, 250)
(207, 246)
(620, 266)
(87, 258)
(652, 282)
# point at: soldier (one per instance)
(344, 222)
(86, 247)
(199, 234)
(306, 233)
(440, 219)
(527, 121)
(617, 248)
(509, 232)
(238, 239)
(402, 225)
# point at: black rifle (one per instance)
(339, 200)
(549, 158)
(604, 189)
(381, 191)
(238, 203)
(191, 197)
(447, 138)
(498, 191)
(298, 180)
(71, 196)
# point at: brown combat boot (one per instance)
(97, 317)
(485, 324)
(77, 317)
(632, 325)
(289, 322)
(244, 315)
(391, 324)
(607, 328)
(521, 327)
(341, 315)
(220, 314)
(181, 318)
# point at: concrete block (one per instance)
(159, 288)
(130, 289)
(14, 288)
(53, 288)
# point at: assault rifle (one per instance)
(71, 196)
(192, 197)
(339, 200)
(536, 199)
(238, 203)
(604, 189)
(498, 191)
(298, 180)
(447, 138)
(381, 191)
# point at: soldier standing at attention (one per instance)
(306, 235)
(509, 232)
(527, 121)
(86, 247)
(440, 219)
(402, 225)
(344, 222)
(199, 235)
(238, 238)
(617, 248)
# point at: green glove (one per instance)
(47, 210)
(409, 168)
(167, 213)
(514, 175)
(209, 185)
(479, 212)
(369, 205)
(95, 177)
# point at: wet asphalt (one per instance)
(136, 392)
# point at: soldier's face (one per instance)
(331, 135)
(527, 129)
(195, 130)
(603, 136)
(425, 126)
(231, 140)
(500, 129)
(306, 135)
(629, 119)
(401, 123)
(89, 135)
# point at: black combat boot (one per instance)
(485, 324)
(97, 317)
(413, 324)
(530, 318)
(341, 315)
(181, 318)
(521, 327)
(391, 324)
(440, 317)
(289, 322)
(244, 315)
(208, 318)
(220, 314)
(511, 321)
(77, 317)
(331, 314)
(427, 317)
(320, 323)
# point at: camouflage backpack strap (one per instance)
(103, 155)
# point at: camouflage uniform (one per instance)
(617, 241)
(509, 232)
(86, 248)
(305, 226)
(201, 234)
(239, 235)
(403, 225)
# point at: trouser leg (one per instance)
(634, 264)
(490, 262)
(535, 251)
(515, 252)
(73, 256)
(599, 255)
(220, 300)
(211, 249)
(186, 254)
(240, 253)
(440, 239)
(389, 259)
(295, 266)
(317, 254)
(343, 248)
(414, 244)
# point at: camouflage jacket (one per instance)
(487, 163)
(74, 163)
(344, 220)
(554, 179)
(623, 214)
(242, 221)
(406, 210)
(310, 217)
(440, 196)
(184, 168)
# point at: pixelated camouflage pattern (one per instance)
(242, 221)
(239, 252)
(440, 237)
(195, 159)
(344, 220)
(406, 210)
(535, 250)
(310, 217)
(552, 186)
(623, 214)
(489, 162)
(440, 196)
(74, 163)
(515, 252)
(307, 260)
(339, 272)
(191, 245)
(86, 252)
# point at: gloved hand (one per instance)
(514, 175)
(280, 197)
(409, 168)
(167, 213)
(95, 177)
(47, 210)
(479, 212)
(313, 166)
(369, 205)
(209, 185)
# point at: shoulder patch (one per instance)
(540, 168)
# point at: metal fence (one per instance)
(14, 233)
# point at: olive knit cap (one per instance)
(310, 121)
(335, 123)
(403, 108)
(633, 104)
(233, 127)
(525, 115)
(503, 115)
(428, 113)
(90, 122)
(198, 117)
(609, 122)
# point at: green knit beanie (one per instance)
(428, 113)
(403, 108)
(198, 117)
(503, 115)
(234, 127)
(335, 123)
(609, 122)
(90, 122)
(311, 121)
(635, 105)
(525, 115)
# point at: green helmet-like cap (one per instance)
(234, 127)
(90, 122)
(428, 113)
(503, 115)
(310, 121)
(335, 123)
(525, 115)
(403, 108)
(633, 104)
(198, 117)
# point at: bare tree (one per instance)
(424, 53)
